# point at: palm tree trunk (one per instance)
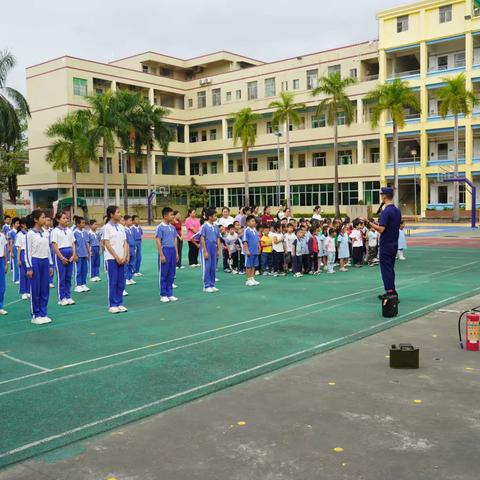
(125, 159)
(287, 162)
(396, 193)
(245, 172)
(74, 189)
(336, 192)
(456, 199)
(105, 181)
(149, 182)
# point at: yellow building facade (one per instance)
(202, 92)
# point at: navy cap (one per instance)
(386, 191)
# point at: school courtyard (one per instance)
(287, 380)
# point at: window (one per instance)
(442, 149)
(374, 155)
(230, 131)
(302, 160)
(459, 59)
(238, 94)
(312, 79)
(201, 99)
(193, 137)
(145, 68)
(291, 162)
(204, 135)
(109, 165)
(269, 127)
(99, 91)
(204, 168)
(312, 194)
(239, 165)
(252, 89)
(318, 122)
(229, 99)
(195, 168)
(442, 62)
(139, 165)
(168, 165)
(181, 165)
(80, 87)
(231, 168)
(270, 87)
(215, 197)
(445, 14)
(461, 193)
(213, 168)
(353, 73)
(252, 164)
(216, 97)
(272, 163)
(285, 86)
(402, 23)
(332, 69)
(349, 193)
(296, 84)
(345, 157)
(341, 118)
(263, 196)
(86, 168)
(213, 134)
(442, 194)
(319, 159)
(190, 102)
(371, 193)
(236, 197)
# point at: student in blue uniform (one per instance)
(82, 247)
(116, 257)
(48, 228)
(94, 238)
(24, 287)
(251, 248)
(130, 268)
(3, 270)
(39, 264)
(166, 238)
(209, 250)
(7, 226)
(11, 237)
(63, 242)
(138, 233)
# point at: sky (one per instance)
(104, 30)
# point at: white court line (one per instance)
(23, 362)
(215, 382)
(15, 301)
(165, 342)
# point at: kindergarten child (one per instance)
(330, 250)
(343, 248)
(402, 241)
(299, 248)
(209, 250)
(82, 247)
(94, 239)
(357, 243)
(230, 260)
(167, 246)
(372, 246)
(267, 255)
(251, 248)
(278, 239)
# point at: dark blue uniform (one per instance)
(390, 218)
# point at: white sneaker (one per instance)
(257, 272)
(125, 293)
(138, 274)
(46, 320)
(255, 282)
(52, 285)
(37, 320)
(17, 282)
(85, 288)
(209, 290)
(121, 308)
(113, 310)
(164, 299)
(344, 270)
(63, 302)
(70, 301)
(25, 296)
(78, 289)
(133, 282)
(174, 286)
(249, 283)
(215, 289)
(173, 299)
(3, 312)
(182, 267)
(333, 271)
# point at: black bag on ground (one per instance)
(390, 306)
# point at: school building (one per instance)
(421, 42)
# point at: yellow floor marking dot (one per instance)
(112, 478)
(387, 356)
(241, 423)
(344, 464)
(338, 450)
(92, 333)
(418, 401)
(332, 384)
(469, 369)
(434, 335)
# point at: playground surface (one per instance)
(90, 372)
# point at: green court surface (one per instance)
(91, 371)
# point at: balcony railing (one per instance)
(443, 68)
(406, 73)
(369, 78)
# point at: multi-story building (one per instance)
(422, 43)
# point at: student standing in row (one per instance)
(3, 270)
(94, 240)
(138, 235)
(63, 242)
(20, 240)
(251, 244)
(7, 226)
(39, 265)
(177, 223)
(192, 225)
(116, 258)
(11, 237)
(130, 267)
(167, 246)
(210, 249)
(82, 247)
(47, 227)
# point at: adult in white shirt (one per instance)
(226, 219)
(317, 213)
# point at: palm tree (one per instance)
(336, 100)
(245, 131)
(456, 100)
(71, 148)
(13, 108)
(103, 118)
(393, 98)
(286, 113)
(151, 127)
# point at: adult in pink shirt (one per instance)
(192, 225)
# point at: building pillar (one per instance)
(224, 129)
(360, 111)
(360, 191)
(424, 186)
(117, 196)
(151, 96)
(423, 60)
(113, 86)
(225, 163)
(424, 107)
(187, 167)
(423, 150)
(468, 50)
(186, 133)
(225, 197)
(384, 158)
(360, 152)
(382, 65)
(468, 144)
(468, 194)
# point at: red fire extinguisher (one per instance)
(472, 331)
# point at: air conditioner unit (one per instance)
(202, 81)
(208, 80)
